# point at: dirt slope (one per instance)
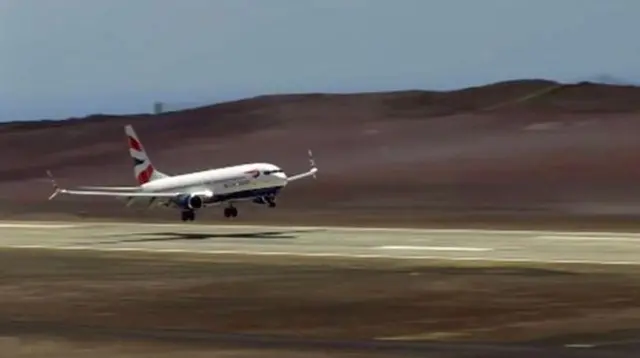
(524, 147)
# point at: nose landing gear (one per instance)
(230, 212)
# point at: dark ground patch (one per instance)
(321, 305)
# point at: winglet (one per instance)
(56, 188)
(312, 163)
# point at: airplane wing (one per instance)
(128, 194)
(311, 172)
(111, 188)
(303, 175)
(124, 193)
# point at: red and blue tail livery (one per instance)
(143, 169)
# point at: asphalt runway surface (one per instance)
(363, 243)
(349, 243)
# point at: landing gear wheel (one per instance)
(230, 212)
(188, 215)
(271, 201)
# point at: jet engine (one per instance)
(270, 200)
(259, 200)
(190, 201)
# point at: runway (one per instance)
(358, 243)
(238, 291)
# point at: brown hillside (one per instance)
(511, 147)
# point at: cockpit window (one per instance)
(267, 172)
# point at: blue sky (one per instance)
(63, 58)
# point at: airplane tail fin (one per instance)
(143, 169)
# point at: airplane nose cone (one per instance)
(281, 176)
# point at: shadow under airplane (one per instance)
(177, 236)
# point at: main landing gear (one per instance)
(188, 215)
(230, 212)
(271, 202)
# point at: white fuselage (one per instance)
(223, 181)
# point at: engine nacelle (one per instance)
(259, 200)
(190, 202)
(264, 200)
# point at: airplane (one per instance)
(259, 183)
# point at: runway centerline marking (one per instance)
(432, 248)
(595, 344)
(422, 246)
(579, 345)
(88, 224)
(323, 254)
(36, 226)
(587, 238)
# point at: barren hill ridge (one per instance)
(517, 146)
(517, 95)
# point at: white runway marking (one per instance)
(603, 343)
(36, 226)
(346, 228)
(433, 248)
(579, 345)
(334, 242)
(588, 238)
(321, 254)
